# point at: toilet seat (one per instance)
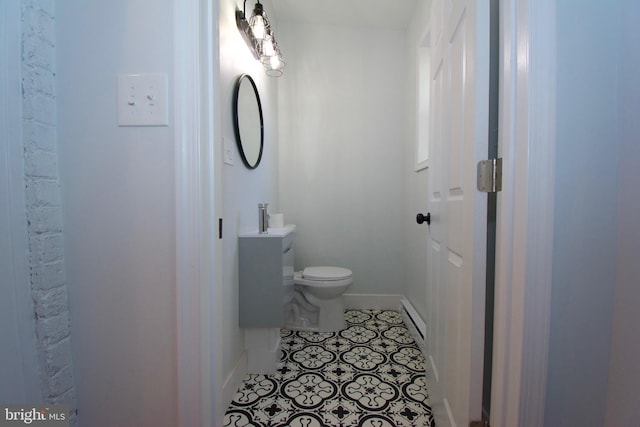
(326, 274)
(323, 277)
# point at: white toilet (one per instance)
(317, 304)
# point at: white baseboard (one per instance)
(371, 301)
(416, 326)
(433, 372)
(234, 380)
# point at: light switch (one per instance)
(228, 151)
(143, 100)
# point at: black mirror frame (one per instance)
(236, 121)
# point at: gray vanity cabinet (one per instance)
(266, 277)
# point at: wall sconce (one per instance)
(258, 35)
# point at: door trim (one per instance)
(525, 211)
(197, 266)
(190, 386)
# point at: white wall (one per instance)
(118, 203)
(416, 182)
(623, 397)
(243, 188)
(586, 220)
(342, 110)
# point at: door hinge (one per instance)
(490, 175)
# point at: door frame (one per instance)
(524, 228)
(524, 251)
(197, 192)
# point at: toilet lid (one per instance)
(326, 273)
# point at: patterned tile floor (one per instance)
(369, 374)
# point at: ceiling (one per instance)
(395, 14)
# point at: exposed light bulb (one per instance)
(274, 62)
(258, 27)
(267, 47)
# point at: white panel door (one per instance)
(457, 234)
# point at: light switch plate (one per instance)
(228, 151)
(143, 99)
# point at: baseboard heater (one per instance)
(416, 326)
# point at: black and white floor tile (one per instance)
(369, 374)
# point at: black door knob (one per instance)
(423, 218)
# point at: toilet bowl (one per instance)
(318, 305)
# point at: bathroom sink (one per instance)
(272, 232)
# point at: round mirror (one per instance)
(248, 121)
